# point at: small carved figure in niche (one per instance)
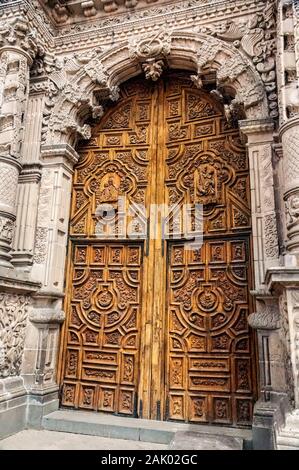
(292, 207)
(217, 254)
(207, 183)
(177, 406)
(198, 408)
(129, 370)
(110, 191)
(108, 398)
(127, 401)
(238, 252)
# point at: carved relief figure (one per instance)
(206, 184)
(292, 207)
(109, 191)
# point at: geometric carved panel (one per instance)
(210, 378)
(101, 362)
(210, 360)
(163, 142)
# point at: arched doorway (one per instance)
(155, 329)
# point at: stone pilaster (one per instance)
(274, 381)
(53, 216)
(46, 315)
(259, 135)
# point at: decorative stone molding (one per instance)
(31, 173)
(88, 82)
(13, 320)
(66, 12)
(267, 316)
(255, 39)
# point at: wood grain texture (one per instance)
(154, 329)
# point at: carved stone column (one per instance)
(16, 54)
(17, 49)
(289, 133)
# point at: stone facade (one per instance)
(60, 64)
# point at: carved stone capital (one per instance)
(31, 173)
(18, 36)
(250, 127)
(44, 316)
(267, 316)
(50, 154)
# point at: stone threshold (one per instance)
(117, 427)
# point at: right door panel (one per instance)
(210, 373)
(209, 361)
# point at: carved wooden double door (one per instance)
(155, 329)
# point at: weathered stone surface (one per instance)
(204, 441)
(51, 440)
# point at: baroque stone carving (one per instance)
(151, 46)
(234, 66)
(292, 209)
(271, 243)
(18, 33)
(151, 51)
(13, 319)
(40, 250)
(267, 316)
(153, 69)
(257, 39)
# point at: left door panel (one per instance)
(103, 331)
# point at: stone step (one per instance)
(160, 432)
(293, 420)
(288, 438)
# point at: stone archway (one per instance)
(100, 74)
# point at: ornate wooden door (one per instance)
(155, 329)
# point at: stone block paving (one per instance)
(51, 440)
